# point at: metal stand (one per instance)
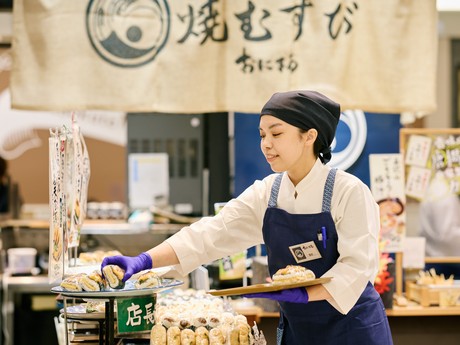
(107, 333)
(106, 324)
(110, 321)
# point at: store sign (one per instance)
(135, 314)
(199, 56)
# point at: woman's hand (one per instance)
(297, 295)
(130, 264)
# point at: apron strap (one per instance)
(327, 194)
(328, 189)
(274, 192)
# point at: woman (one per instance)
(307, 214)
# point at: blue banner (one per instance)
(358, 135)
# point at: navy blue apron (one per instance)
(318, 322)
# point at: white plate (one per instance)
(128, 291)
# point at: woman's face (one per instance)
(285, 148)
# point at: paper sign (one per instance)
(432, 162)
(148, 179)
(387, 186)
(417, 182)
(414, 252)
(418, 150)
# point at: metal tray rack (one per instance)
(109, 296)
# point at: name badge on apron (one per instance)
(304, 252)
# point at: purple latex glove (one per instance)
(131, 264)
(296, 295)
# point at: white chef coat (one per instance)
(239, 226)
(440, 225)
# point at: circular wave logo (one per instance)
(349, 140)
(128, 33)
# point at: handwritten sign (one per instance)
(418, 150)
(432, 162)
(387, 186)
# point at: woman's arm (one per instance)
(317, 293)
(163, 255)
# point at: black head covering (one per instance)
(307, 109)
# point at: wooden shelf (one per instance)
(99, 227)
(412, 309)
(417, 310)
(443, 260)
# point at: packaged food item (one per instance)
(148, 279)
(114, 276)
(216, 337)
(158, 335)
(201, 336)
(96, 256)
(213, 320)
(68, 186)
(168, 320)
(185, 320)
(95, 306)
(234, 336)
(173, 336)
(187, 337)
(244, 333)
(79, 174)
(209, 319)
(72, 283)
(432, 278)
(92, 282)
(292, 274)
(57, 197)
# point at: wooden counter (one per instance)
(99, 227)
(409, 325)
(412, 309)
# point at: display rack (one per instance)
(109, 298)
(106, 333)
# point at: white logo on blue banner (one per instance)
(349, 140)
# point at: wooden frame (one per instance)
(406, 133)
(404, 136)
